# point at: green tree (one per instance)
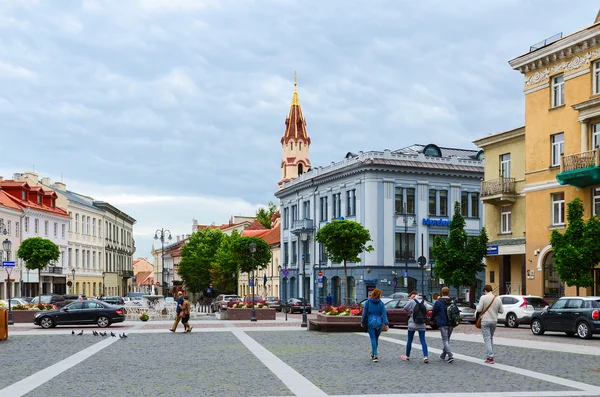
(577, 250)
(197, 257)
(344, 241)
(224, 270)
(459, 258)
(245, 260)
(38, 253)
(264, 215)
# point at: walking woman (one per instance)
(374, 318)
(416, 323)
(185, 312)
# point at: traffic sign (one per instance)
(285, 272)
(320, 280)
(422, 261)
(320, 274)
(405, 274)
(8, 264)
(158, 283)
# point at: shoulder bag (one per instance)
(478, 323)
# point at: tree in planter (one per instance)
(577, 250)
(197, 256)
(264, 215)
(344, 241)
(459, 258)
(38, 253)
(244, 258)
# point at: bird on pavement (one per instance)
(81, 333)
(120, 336)
(72, 332)
(95, 333)
(113, 335)
(124, 336)
(104, 334)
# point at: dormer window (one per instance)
(24, 195)
(52, 203)
(39, 199)
(432, 151)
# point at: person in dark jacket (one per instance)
(374, 318)
(177, 317)
(440, 314)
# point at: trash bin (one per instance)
(3, 324)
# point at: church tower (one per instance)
(295, 143)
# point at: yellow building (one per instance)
(562, 124)
(504, 210)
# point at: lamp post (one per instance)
(6, 246)
(406, 217)
(252, 246)
(73, 273)
(161, 234)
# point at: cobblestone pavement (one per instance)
(279, 358)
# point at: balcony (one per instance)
(55, 270)
(580, 169)
(501, 190)
(125, 273)
(302, 224)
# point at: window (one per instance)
(438, 202)
(39, 199)
(82, 224)
(410, 200)
(323, 202)
(306, 209)
(299, 145)
(36, 229)
(505, 218)
(474, 205)
(294, 253)
(596, 77)
(16, 229)
(432, 202)
(558, 148)
(24, 195)
(70, 256)
(55, 229)
(62, 231)
(76, 258)
(286, 220)
(405, 196)
(596, 201)
(322, 253)
(402, 249)
(27, 224)
(558, 90)
(558, 208)
(432, 238)
(399, 200)
(70, 221)
(285, 253)
(351, 202)
(94, 227)
(76, 223)
(337, 205)
(505, 165)
(443, 203)
(87, 226)
(595, 136)
(294, 214)
(94, 259)
(464, 204)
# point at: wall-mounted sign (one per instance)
(370, 281)
(530, 274)
(492, 250)
(436, 222)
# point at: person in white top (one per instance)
(489, 307)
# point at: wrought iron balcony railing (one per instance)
(498, 186)
(577, 161)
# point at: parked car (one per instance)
(220, 302)
(570, 314)
(56, 300)
(519, 308)
(234, 301)
(79, 313)
(13, 302)
(73, 297)
(384, 300)
(274, 302)
(27, 299)
(398, 316)
(467, 312)
(295, 305)
(398, 295)
(113, 300)
(255, 298)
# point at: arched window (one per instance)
(300, 169)
(291, 145)
(300, 146)
(351, 290)
(553, 288)
(432, 150)
(480, 155)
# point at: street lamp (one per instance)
(6, 246)
(406, 217)
(73, 286)
(304, 237)
(161, 234)
(252, 246)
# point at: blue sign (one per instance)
(302, 256)
(250, 283)
(285, 272)
(492, 250)
(436, 222)
(320, 280)
(405, 274)
(8, 264)
(374, 280)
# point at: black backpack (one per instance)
(420, 313)
(453, 314)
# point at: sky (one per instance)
(174, 109)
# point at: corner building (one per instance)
(562, 140)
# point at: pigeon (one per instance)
(104, 334)
(120, 336)
(95, 333)
(124, 336)
(72, 332)
(81, 333)
(113, 335)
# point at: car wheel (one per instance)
(511, 321)
(537, 328)
(103, 322)
(46, 322)
(584, 331)
(570, 333)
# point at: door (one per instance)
(553, 317)
(570, 314)
(71, 314)
(396, 313)
(90, 311)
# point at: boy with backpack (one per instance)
(416, 323)
(447, 316)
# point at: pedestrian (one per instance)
(436, 296)
(329, 300)
(489, 307)
(374, 318)
(439, 314)
(178, 311)
(185, 314)
(416, 323)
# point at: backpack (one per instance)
(420, 313)
(453, 314)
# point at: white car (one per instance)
(13, 302)
(519, 308)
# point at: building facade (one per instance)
(503, 197)
(562, 124)
(11, 218)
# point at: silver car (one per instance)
(519, 308)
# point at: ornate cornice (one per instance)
(577, 62)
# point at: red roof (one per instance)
(256, 225)
(6, 201)
(14, 190)
(271, 236)
(221, 227)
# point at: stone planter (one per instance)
(246, 314)
(335, 323)
(23, 316)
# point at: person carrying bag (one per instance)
(489, 307)
(374, 319)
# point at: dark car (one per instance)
(73, 297)
(80, 313)
(113, 300)
(570, 314)
(56, 300)
(398, 316)
(274, 303)
(295, 305)
(24, 298)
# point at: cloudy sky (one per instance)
(173, 109)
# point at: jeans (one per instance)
(487, 329)
(411, 335)
(446, 332)
(374, 334)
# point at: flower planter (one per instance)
(246, 314)
(24, 316)
(335, 323)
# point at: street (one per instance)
(278, 358)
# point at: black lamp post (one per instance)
(103, 284)
(252, 246)
(161, 234)
(6, 246)
(406, 217)
(73, 286)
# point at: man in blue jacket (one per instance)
(440, 314)
(177, 318)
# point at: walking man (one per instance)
(440, 314)
(489, 307)
(179, 306)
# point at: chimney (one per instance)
(178, 238)
(46, 181)
(31, 178)
(1, 178)
(17, 176)
(194, 225)
(60, 186)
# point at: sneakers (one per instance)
(425, 360)
(489, 360)
(372, 356)
(450, 360)
(404, 358)
(375, 359)
(171, 329)
(443, 358)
